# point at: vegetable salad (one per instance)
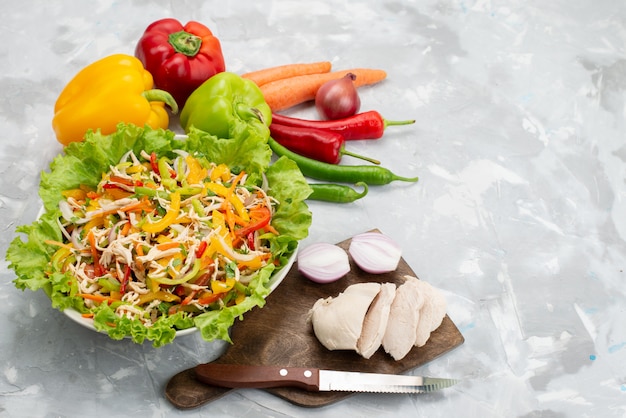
(144, 244)
(148, 233)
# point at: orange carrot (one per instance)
(97, 298)
(59, 244)
(168, 245)
(267, 75)
(126, 228)
(289, 92)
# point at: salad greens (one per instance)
(83, 163)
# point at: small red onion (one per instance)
(323, 262)
(375, 253)
(338, 98)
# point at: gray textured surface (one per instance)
(518, 216)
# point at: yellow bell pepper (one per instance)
(114, 89)
(166, 220)
(159, 294)
(197, 173)
(226, 193)
(218, 286)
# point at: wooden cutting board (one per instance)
(280, 334)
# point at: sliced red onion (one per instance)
(75, 239)
(375, 253)
(323, 263)
(66, 210)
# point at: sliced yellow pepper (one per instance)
(136, 169)
(169, 217)
(197, 173)
(218, 286)
(255, 263)
(217, 246)
(78, 194)
(221, 172)
(225, 192)
(240, 298)
(97, 221)
(160, 295)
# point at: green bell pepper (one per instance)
(223, 103)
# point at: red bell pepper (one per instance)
(263, 218)
(180, 58)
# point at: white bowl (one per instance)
(273, 283)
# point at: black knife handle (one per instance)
(244, 376)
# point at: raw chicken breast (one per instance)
(338, 322)
(376, 321)
(404, 316)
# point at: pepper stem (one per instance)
(397, 122)
(156, 95)
(344, 151)
(185, 43)
(400, 178)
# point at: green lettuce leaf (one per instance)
(84, 162)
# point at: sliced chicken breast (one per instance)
(376, 321)
(440, 307)
(404, 315)
(338, 322)
(432, 312)
(422, 333)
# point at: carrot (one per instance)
(271, 229)
(289, 92)
(59, 244)
(267, 75)
(126, 228)
(97, 298)
(168, 245)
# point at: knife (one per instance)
(315, 380)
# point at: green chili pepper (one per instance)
(224, 102)
(340, 173)
(337, 193)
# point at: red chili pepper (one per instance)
(180, 58)
(125, 280)
(318, 144)
(365, 125)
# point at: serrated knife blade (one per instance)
(317, 380)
